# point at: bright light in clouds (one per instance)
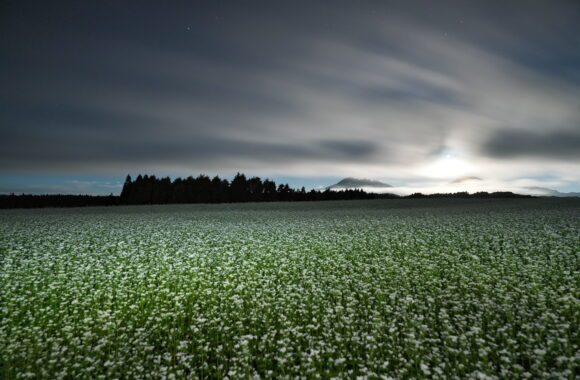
(449, 164)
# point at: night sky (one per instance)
(425, 95)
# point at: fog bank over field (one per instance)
(472, 185)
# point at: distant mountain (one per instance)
(465, 179)
(544, 191)
(357, 183)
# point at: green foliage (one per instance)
(392, 288)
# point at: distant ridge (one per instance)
(546, 192)
(357, 183)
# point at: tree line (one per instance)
(148, 189)
(56, 200)
(465, 194)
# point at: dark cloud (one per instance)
(509, 143)
(349, 149)
(469, 178)
(54, 154)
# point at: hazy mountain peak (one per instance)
(351, 182)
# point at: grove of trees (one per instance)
(146, 189)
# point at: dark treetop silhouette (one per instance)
(151, 190)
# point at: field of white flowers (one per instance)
(392, 288)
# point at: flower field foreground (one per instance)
(422, 288)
